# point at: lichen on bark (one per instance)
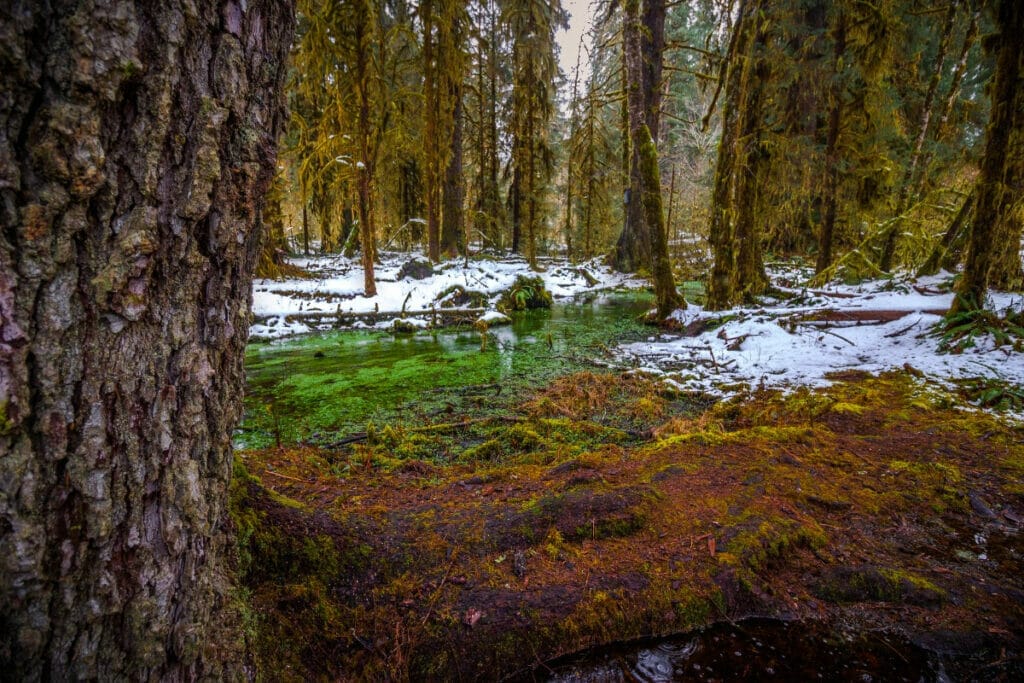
(137, 141)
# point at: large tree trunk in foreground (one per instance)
(137, 141)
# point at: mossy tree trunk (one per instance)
(453, 216)
(738, 271)
(646, 155)
(138, 144)
(431, 142)
(495, 215)
(272, 238)
(635, 247)
(993, 253)
(833, 160)
(452, 64)
(364, 37)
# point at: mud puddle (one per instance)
(757, 649)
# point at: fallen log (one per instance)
(860, 315)
(342, 318)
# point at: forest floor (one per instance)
(607, 509)
(820, 458)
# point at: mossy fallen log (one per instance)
(437, 316)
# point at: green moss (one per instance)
(319, 387)
(526, 293)
(844, 407)
(6, 425)
(757, 546)
(873, 584)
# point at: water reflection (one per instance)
(313, 387)
(757, 650)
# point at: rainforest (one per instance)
(559, 340)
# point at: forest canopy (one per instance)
(851, 134)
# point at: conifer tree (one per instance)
(643, 74)
(531, 26)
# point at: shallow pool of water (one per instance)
(320, 387)
(756, 650)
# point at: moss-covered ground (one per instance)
(316, 387)
(602, 509)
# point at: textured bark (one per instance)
(750, 278)
(833, 160)
(431, 143)
(634, 249)
(363, 33)
(646, 153)
(137, 141)
(722, 292)
(453, 216)
(997, 216)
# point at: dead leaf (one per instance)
(711, 545)
(472, 616)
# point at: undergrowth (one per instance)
(605, 508)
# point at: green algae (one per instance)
(319, 388)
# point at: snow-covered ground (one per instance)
(874, 326)
(338, 288)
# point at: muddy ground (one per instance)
(605, 510)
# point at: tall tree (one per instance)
(362, 24)
(634, 249)
(833, 158)
(993, 254)
(641, 75)
(138, 144)
(452, 66)
(910, 173)
(531, 25)
(432, 149)
(737, 272)
(488, 214)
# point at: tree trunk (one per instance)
(272, 238)
(942, 129)
(452, 222)
(138, 142)
(305, 228)
(431, 144)
(947, 250)
(633, 248)
(751, 279)
(1001, 183)
(494, 215)
(646, 153)
(368, 241)
(722, 234)
(830, 195)
(515, 200)
(910, 173)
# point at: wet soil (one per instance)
(604, 510)
(759, 649)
